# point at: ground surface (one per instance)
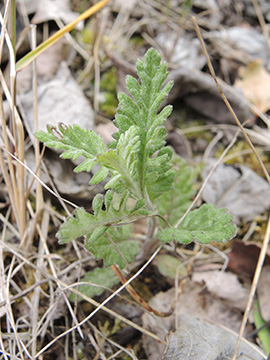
(76, 83)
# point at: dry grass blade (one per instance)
(253, 286)
(102, 306)
(37, 315)
(39, 194)
(15, 179)
(261, 21)
(211, 69)
(55, 194)
(209, 175)
(267, 234)
(137, 297)
(64, 287)
(49, 42)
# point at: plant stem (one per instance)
(264, 333)
(137, 297)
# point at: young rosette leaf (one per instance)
(141, 109)
(159, 175)
(115, 247)
(122, 163)
(76, 142)
(203, 225)
(95, 225)
(95, 283)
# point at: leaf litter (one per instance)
(238, 189)
(247, 202)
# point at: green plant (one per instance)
(144, 179)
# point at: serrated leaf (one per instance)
(94, 225)
(160, 174)
(141, 110)
(97, 203)
(99, 176)
(173, 204)
(204, 225)
(99, 279)
(75, 142)
(139, 142)
(116, 248)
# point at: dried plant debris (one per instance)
(243, 258)
(197, 339)
(244, 193)
(111, 41)
(47, 65)
(263, 292)
(47, 10)
(62, 174)
(225, 285)
(248, 7)
(203, 305)
(183, 50)
(59, 100)
(254, 82)
(200, 92)
(244, 44)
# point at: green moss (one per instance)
(87, 36)
(242, 154)
(108, 80)
(137, 41)
(108, 84)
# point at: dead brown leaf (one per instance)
(243, 258)
(255, 84)
(106, 131)
(224, 285)
(239, 189)
(194, 300)
(199, 339)
(263, 291)
(49, 10)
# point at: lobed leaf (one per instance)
(141, 110)
(95, 225)
(204, 225)
(140, 141)
(116, 247)
(75, 142)
(122, 163)
(160, 175)
(140, 169)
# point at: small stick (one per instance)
(267, 234)
(137, 297)
(212, 71)
(253, 287)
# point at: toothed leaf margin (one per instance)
(203, 225)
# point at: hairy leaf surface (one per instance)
(204, 225)
(141, 110)
(173, 204)
(138, 160)
(95, 225)
(75, 142)
(122, 162)
(139, 171)
(116, 247)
